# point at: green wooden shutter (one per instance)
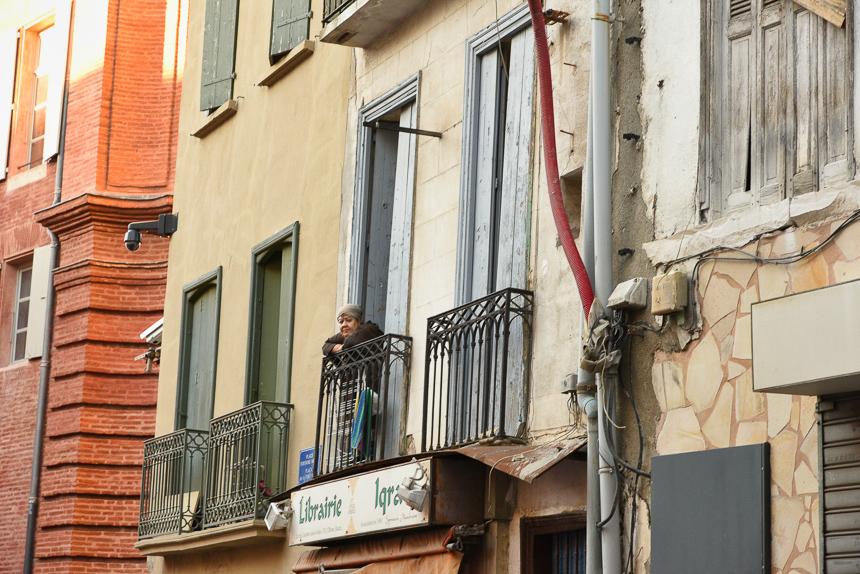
(290, 25)
(219, 51)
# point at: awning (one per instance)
(416, 553)
(525, 462)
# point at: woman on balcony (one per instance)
(353, 331)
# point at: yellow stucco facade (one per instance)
(289, 155)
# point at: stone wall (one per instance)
(705, 391)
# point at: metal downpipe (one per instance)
(45, 362)
(601, 157)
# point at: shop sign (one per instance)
(356, 505)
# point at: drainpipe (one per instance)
(602, 152)
(585, 386)
(45, 362)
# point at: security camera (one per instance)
(164, 226)
(132, 239)
(411, 490)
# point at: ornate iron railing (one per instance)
(247, 462)
(334, 7)
(171, 482)
(476, 370)
(362, 399)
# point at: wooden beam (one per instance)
(831, 10)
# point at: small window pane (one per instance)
(20, 345)
(23, 315)
(41, 90)
(36, 149)
(24, 281)
(39, 122)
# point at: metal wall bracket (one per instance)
(395, 127)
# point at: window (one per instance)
(382, 216)
(219, 53)
(32, 74)
(290, 26)
(553, 545)
(273, 288)
(198, 352)
(21, 318)
(497, 141)
(776, 122)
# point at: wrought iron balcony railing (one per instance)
(334, 7)
(476, 370)
(361, 403)
(247, 462)
(171, 483)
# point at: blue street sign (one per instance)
(306, 465)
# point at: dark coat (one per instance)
(364, 333)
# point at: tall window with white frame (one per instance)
(21, 317)
(776, 109)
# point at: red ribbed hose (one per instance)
(547, 113)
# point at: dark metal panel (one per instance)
(458, 491)
(711, 511)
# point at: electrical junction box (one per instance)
(669, 293)
(632, 294)
(807, 343)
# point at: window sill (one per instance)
(248, 533)
(288, 63)
(742, 225)
(27, 177)
(224, 112)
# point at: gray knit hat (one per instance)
(350, 310)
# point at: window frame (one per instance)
(533, 526)
(712, 192)
(505, 28)
(188, 292)
(290, 235)
(404, 94)
(17, 300)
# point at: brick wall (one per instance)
(125, 79)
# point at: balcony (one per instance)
(171, 483)
(362, 404)
(476, 371)
(246, 463)
(359, 23)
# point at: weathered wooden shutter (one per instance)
(740, 87)
(769, 133)
(486, 174)
(8, 61)
(803, 104)
(57, 79)
(378, 241)
(219, 53)
(397, 300)
(290, 25)
(834, 70)
(514, 216)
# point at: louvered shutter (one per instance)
(740, 83)
(770, 118)
(804, 39)
(834, 94)
(219, 51)
(57, 79)
(8, 60)
(290, 25)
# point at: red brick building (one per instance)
(89, 90)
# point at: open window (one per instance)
(553, 545)
(273, 288)
(382, 213)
